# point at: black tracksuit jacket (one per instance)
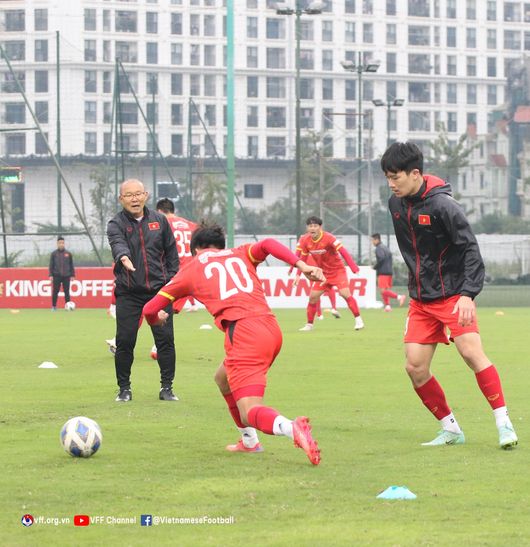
(437, 244)
(149, 244)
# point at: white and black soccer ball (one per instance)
(69, 306)
(81, 437)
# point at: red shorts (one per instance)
(251, 345)
(427, 322)
(384, 281)
(336, 279)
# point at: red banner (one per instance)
(32, 288)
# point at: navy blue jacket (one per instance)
(149, 244)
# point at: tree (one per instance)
(103, 201)
(447, 156)
(210, 199)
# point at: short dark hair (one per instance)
(207, 235)
(313, 220)
(60, 238)
(165, 205)
(376, 236)
(402, 156)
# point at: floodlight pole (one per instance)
(230, 155)
(58, 130)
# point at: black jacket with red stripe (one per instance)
(149, 244)
(437, 244)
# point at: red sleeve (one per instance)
(349, 260)
(259, 251)
(177, 288)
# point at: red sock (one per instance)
(319, 308)
(332, 298)
(352, 304)
(433, 397)
(490, 384)
(234, 411)
(311, 311)
(262, 418)
(387, 295)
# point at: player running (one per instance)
(326, 251)
(226, 282)
(446, 273)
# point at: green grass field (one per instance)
(168, 459)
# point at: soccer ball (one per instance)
(154, 353)
(69, 306)
(81, 437)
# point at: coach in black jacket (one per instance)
(145, 258)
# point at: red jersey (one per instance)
(324, 252)
(182, 230)
(225, 281)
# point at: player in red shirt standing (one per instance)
(326, 251)
(227, 283)
(182, 230)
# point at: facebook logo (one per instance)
(146, 520)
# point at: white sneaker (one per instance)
(335, 313)
(320, 317)
(112, 345)
(193, 308)
(388, 307)
(111, 312)
(359, 323)
(307, 327)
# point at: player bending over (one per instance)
(226, 282)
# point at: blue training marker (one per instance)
(397, 493)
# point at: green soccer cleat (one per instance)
(446, 437)
(507, 437)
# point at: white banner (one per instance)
(281, 293)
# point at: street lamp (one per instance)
(314, 8)
(360, 68)
(389, 104)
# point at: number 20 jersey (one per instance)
(225, 281)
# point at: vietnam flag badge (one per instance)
(424, 220)
(154, 226)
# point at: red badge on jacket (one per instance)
(424, 220)
(156, 226)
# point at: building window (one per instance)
(252, 116)
(107, 112)
(41, 111)
(176, 23)
(451, 65)
(275, 29)
(176, 54)
(209, 25)
(492, 10)
(40, 145)
(9, 84)
(15, 50)
(527, 40)
(253, 191)
(252, 27)
(492, 94)
(350, 90)
(419, 121)
(90, 112)
(176, 114)
(451, 37)
(15, 144)
(151, 83)
(90, 81)
(391, 34)
(176, 145)
(419, 92)
(91, 143)
(195, 84)
(195, 25)
(349, 6)
(306, 30)
(90, 19)
(419, 63)
(107, 51)
(419, 35)
(492, 38)
(327, 31)
(307, 118)
(492, 67)
(252, 86)
(252, 57)
(451, 93)
(41, 19)
(41, 81)
(451, 9)
(327, 59)
(471, 38)
(151, 114)
(151, 53)
(349, 31)
(126, 21)
(41, 50)
(90, 50)
(512, 39)
(307, 60)
(252, 146)
(106, 20)
(276, 88)
(327, 89)
(275, 147)
(275, 116)
(209, 55)
(275, 57)
(307, 88)
(15, 113)
(129, 113)
(419, 8)
(127, 52)
(512, 12)
(368, 33)
(151, 22)
(471, 66)
(452, 122)
(14, 20)
(391, 7)
(471, 94)
(209, 85)
(391, 63)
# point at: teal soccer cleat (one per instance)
(507, 437)
(446, 437)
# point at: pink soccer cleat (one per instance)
(240, 447)
(303, 439)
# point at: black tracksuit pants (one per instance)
(128, 313)
(59, 280)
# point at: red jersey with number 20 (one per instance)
(182, 230)
(324, 251)
(225, 281)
